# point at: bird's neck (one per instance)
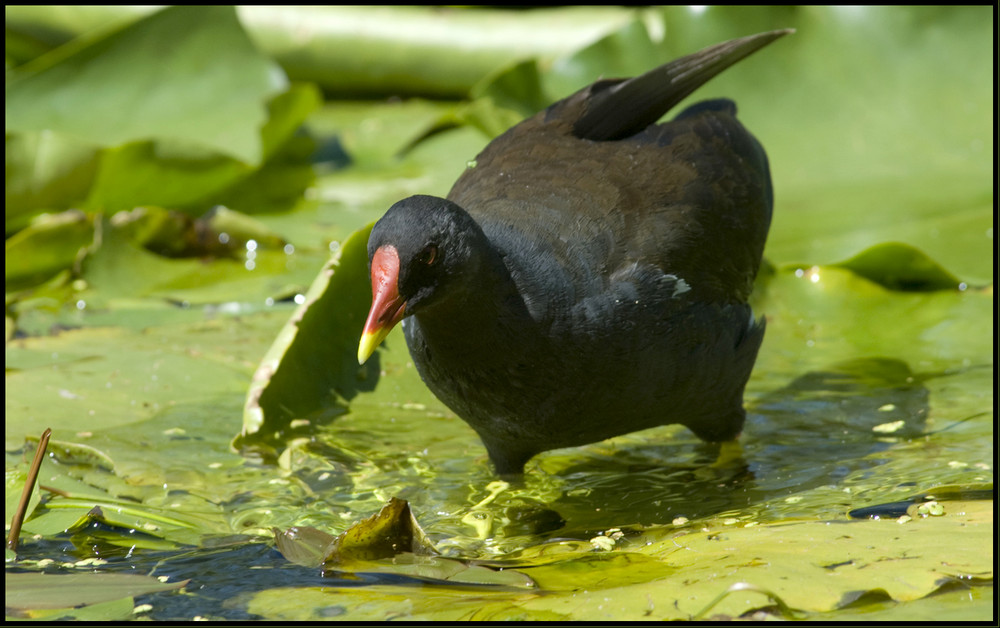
(487, 317)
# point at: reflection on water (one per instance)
(816, 431)
(825, 429)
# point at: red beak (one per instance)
(388, 307)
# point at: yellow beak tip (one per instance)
(369, 342)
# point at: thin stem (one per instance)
(29, 485)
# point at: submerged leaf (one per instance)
(304, 545)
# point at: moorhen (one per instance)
(588, 274)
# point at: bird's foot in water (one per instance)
(730, 454)
(729, 463)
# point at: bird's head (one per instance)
(420, 253)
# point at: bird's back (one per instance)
(690, 198)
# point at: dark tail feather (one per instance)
(630, 106)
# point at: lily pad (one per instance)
(34, 591)
(901, 267)
(44, 171)
(391, 531)
(217, 105)
(812, 566)
(50, 244)
(310, 372)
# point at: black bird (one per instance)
(588, 274)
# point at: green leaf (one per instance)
(813, 566)
(829, 565)
(829, 313)
(188, 74)
(409, 50)
(27, 591)
(287, 172)
(374, 134)
(626, 52)
(311, 370)
(485, 115)
(119, 268)
(106, 379)
(168, 173)
(900, 267)
(172, 172)
(392, 530)
(304, 545)
(44, 171)
(54, 25)
(517, 87)
(374, 50)
(14, 481)
(878, 124)
(50, 244)
(121, 609)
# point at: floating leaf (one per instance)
(393, 530)
(900, 266)
(28, 591)
(122, 609)
(393, 533)
(810, 566)
(444, 571)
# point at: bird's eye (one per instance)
(429, 255)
